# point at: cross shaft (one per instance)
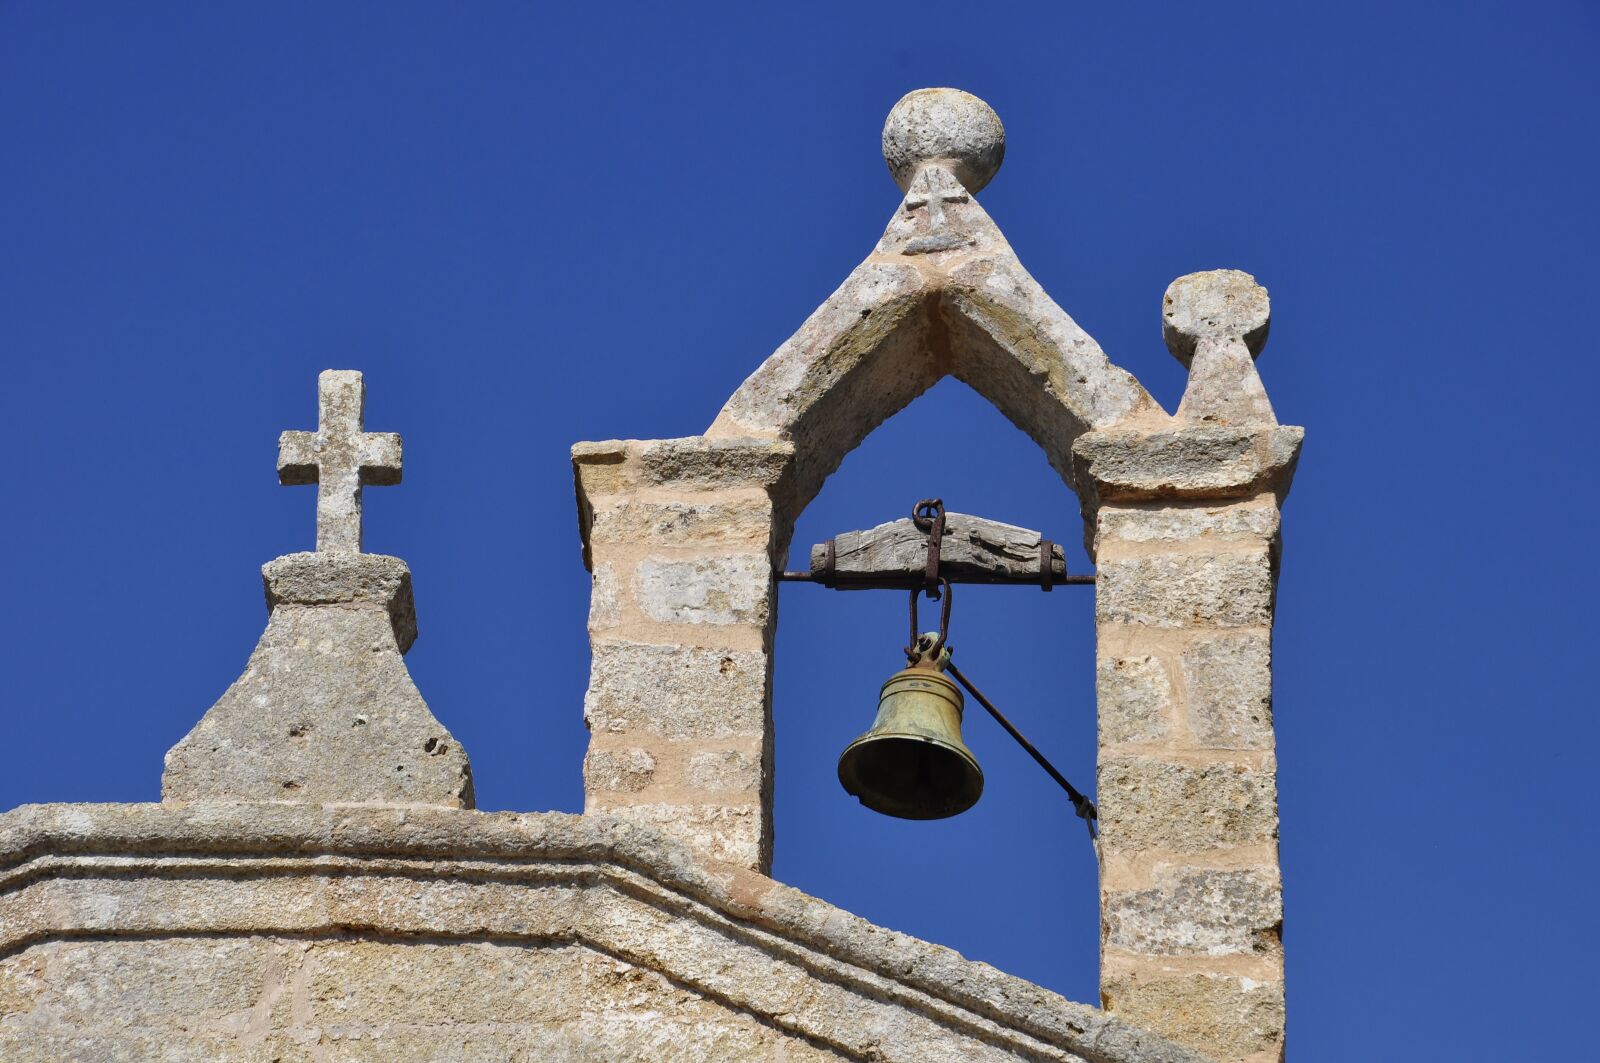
(339, 457)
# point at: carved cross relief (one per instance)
(930, 191)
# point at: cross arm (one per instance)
(379, 458)
(297, 458)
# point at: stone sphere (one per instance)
(947, 125)
(1218, 302)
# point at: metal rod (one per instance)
(910, 581)
(1085, 807)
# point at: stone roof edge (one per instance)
(267, 829)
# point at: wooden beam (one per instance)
(972, 548)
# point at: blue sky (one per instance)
(533, 225)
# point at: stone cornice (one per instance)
(1185, 462)
(405, 872)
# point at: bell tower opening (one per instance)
(1016, 868)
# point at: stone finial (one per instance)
(339, 457)
(1216, 324)
(946, 126)
(326, 710)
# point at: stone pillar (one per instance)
(680, 536)
(1184, 526)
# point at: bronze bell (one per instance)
(913, 764)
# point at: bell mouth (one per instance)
(910, 776)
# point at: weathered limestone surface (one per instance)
(257, 932)
(325, 709)
(1221, 913)
(1235, 1016)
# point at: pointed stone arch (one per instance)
(904, 320)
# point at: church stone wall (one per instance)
(353, 1000)
(286, 932)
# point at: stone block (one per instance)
(721, 521)
(1228, 687)
(602, 468)
(105, 1044)
(724, 769)
(405, 1043)
(676, 691)
(634, 1013)
(357, 985)
(1227, 1018)
(1198, 461)
(605, 597)
(460, 907)
(1175, 523)
(702, 463)
(733, 589)
(142, 982)
(1230, 589)
(1149, 803)
(1134, 695)
(618, 770)
(735, 834)
(345, 579)
(22, 982)
(1198, 912)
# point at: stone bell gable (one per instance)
(315, 884)
(1181, 516)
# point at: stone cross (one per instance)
(339, 457)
